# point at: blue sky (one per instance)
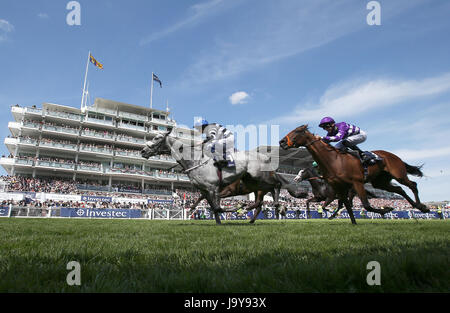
(242, 62)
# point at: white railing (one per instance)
(174, 213)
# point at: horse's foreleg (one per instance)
(308, 212)
(214, 201)
(193, 206)
(276, 196)
(349, 207)
(257, 205)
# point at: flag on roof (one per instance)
(155, 78)
(95, 62)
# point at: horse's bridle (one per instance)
(315, 140)
(291, 144)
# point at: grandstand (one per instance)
(97, 147)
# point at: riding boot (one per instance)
(364, 156)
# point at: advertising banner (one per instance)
(100, 213)
(96, 199)
(159, 201)
(4, 211)
(11, 196)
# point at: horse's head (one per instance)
(304, 174)
(156, 146)
(296, 138)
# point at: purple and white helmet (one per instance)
(326, 120)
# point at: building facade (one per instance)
(98, 146)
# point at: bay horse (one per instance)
(238, 188)
(321, 190)
(344, 171)
(241, 187)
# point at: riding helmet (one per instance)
(326, 120)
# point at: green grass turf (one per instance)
(198, 256)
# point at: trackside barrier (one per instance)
(202, 213)
(314, 214)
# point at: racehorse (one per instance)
(344, 171)
(250, 166)
(240, 187)
(321, 190)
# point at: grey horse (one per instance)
(252, 167)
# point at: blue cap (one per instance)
(200, 123)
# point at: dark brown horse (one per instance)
(245, 186)
(239, 188)
(322, 191)
(344, 171)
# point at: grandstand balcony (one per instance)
(133, 116)
(92, 134)
(57, 130)
(132, 126)
(58, 145)
(164, 159)
(95, 150)
(31, 124)
(12, 142)
(17, 161)
(129, 154)
(61, 165)
(130, 173)
(96, 121)
(63, 115)
(88, 168)
(183, 177)
(138, 142)
(18, 112)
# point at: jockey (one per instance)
(346, 136)
(316, 168)
(219, 142)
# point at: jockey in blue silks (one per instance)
(219, 142)
(346, 135)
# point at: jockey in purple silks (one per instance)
(346, 135)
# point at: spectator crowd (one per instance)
(179, 197)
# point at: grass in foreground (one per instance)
(198, 256)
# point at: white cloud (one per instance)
(5, 28)
(239, 97)
(278, 30)
(43, 15)
(198, 12)
(355, 97)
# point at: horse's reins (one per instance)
(196, 166)
(308, 144)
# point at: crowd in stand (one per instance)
(180, 197)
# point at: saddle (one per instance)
(220, 164)
(228, 161)
(367, 158)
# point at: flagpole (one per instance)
(151, 94)
(85, 78)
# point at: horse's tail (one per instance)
(414, 170)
